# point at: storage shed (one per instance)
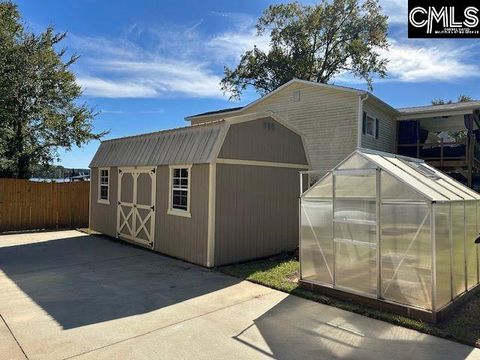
(211, 194)
(391, 231)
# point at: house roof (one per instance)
(293, 81)
(421, 179)
(468, 105)
(187, 145)
(220, 111)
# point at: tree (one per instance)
(39, 98)
(461, 98)
(315, 43)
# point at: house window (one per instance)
(103, 185)
(370, 126)
(180, 191)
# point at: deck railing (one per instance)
(442, 151)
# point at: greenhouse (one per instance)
(390, 228)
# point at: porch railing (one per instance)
(442, 151)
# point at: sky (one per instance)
(146, 64)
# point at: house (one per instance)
(336, 120)
(211, 194)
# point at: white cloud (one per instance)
(95, 86)
(184, 61)
(442, 61)
(122, 69)
(231, 45)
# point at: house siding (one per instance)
(263, 140)
(256, 212)
(103, 217)
(386, 132)
(177, 236)
(327, 118)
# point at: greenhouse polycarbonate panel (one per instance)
(316, 251)
(357, 161)
(463, 189)
(470, 246)
(443, 254)
(322, 189)
(356, 267)
(408, 179)
(353, 186)
(358, 209)
(458, 236)
(414, 168)
(394, 190)
(357, 232)
(406, 254)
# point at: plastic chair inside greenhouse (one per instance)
(391, 228)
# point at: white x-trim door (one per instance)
(136, 204)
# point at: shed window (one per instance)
(103, 185)
(180, 190)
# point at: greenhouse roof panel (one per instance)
(440, 186)
(424, 179)
(383, 162)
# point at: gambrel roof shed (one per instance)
(198, 193)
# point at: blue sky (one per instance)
(145, 65)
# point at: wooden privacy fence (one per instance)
(28, 205)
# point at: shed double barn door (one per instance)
(136, 205)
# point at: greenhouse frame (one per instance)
(392, 231)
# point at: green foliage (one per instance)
(39, 108)
(315, 43)
(55, 172)
(461, 98)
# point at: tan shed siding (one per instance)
(263, 140)
(387, 129)
(256, 212)
(103, 217)
(182, 237)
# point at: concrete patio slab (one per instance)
(67, 295)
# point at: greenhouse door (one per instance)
(136, 205)
(355, 231)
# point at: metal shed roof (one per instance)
(187, 145)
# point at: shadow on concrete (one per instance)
(90, 279)
(295, 328)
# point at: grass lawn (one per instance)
(283, 273)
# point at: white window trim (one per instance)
(374, 126)
(171, 210)
(99, 200)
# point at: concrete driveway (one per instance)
(67, 295)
